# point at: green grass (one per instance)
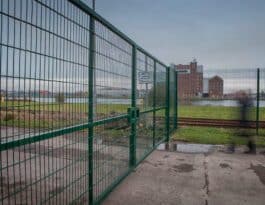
(204, 135)
(43, 124)
(215, 112)
(70, 109)
(210, 112)
(65, 107)
(211, 135)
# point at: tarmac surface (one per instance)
(186, 177)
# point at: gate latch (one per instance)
(133, 114)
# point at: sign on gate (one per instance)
(145, 77)
(183, 71)
(119, 94)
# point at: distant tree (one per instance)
(262, 94)
(59, 98)
(160, 95)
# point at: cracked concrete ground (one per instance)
(201, 179)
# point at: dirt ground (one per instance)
(179, 178)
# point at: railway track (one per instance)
(217, 123)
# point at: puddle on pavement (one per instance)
(183, 167)
(187, 148)
(225, 165)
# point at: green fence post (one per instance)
(133, 113)
(258, 95)
(90, 108)
(154, 104)
(176, 100)
(167, 102)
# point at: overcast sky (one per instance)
(218, 33)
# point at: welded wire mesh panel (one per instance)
(88, 2)
(262, 95)
(44, 80)
(220, 95)
(160, 94)
(110, 154)
(145, 134)
(145, 101)
(64, 139)
(44, 58)
(113, 68)
(145, 82)
(52, 171)
(160, 102)
(112, 98)
(172, 99)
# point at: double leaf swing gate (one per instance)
(81, 103)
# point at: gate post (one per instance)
(176, 99)
(154, 104)
(132, 116)
(258, 95)
(91, 107)
(167, 102)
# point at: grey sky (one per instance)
(219, 33)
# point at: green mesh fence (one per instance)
(145, 102)
(43, 87)
(172, 100)
(261, 113)
(214, 95)
(161, 100)
(81, 104)
(111, 97)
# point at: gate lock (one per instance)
(133, 114)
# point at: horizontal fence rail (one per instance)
(81, 104)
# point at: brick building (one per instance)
(190, 83)
(216, 87)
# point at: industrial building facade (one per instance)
(216, 87)
(192, 84)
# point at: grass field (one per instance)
(215, 112)
(55, 115)
(211, 135)
(210, 112)
(75, 110)
(67, 107)
(205, 135)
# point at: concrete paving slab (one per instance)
(194, 178)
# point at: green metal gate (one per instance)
(81, 103)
